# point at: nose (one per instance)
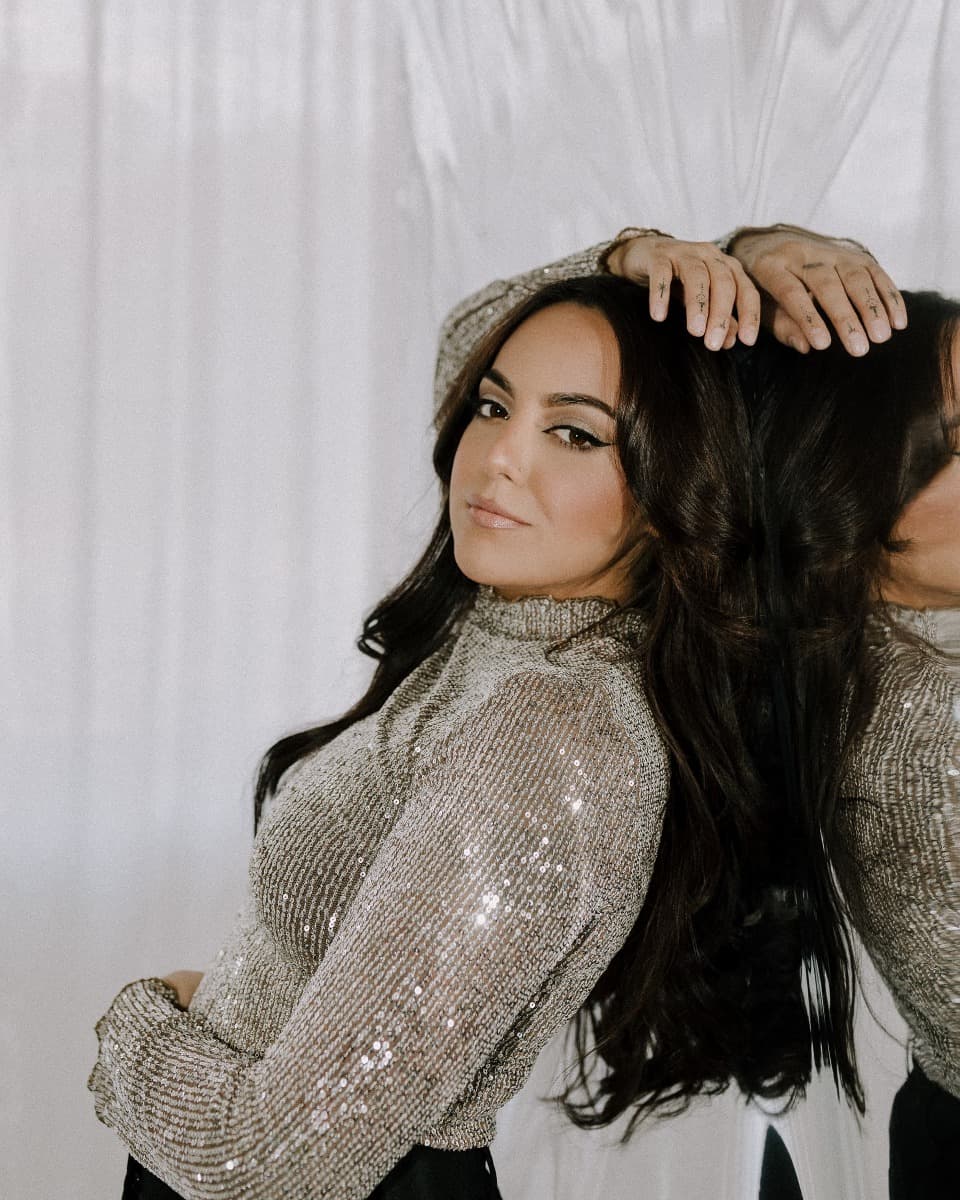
(508, 450)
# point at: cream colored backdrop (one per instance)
(230, 230)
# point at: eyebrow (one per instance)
(554, 399)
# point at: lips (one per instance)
(491, 516)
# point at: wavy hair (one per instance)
(708, 987)
(841, 446)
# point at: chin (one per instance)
(481, 570)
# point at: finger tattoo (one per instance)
(895, 297)
(812, 266)
(662, 288)
(702, 299)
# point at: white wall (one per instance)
(229, 232)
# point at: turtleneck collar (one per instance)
(541, 618)
(938, 626)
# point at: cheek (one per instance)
(598, 509)
(933, 518)
(461, 462)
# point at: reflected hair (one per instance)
(707, 989)
(841, 446)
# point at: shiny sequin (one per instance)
(902, 878)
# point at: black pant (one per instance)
(924, 1141)
(424, 1174)
(778, 1176)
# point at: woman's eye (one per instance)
(576, 438)
(487, 408)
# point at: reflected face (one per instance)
(927, 573)
(538, 501)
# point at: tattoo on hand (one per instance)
(702, 301)
(895, 298)
(812, 266)
(662, 288)
(873, 308)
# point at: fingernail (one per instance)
(697, 326)
(794, 345)
(899, 320)
(858, 344)
(819, 338)
(714, 339)
(748, 334)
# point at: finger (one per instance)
(791, 294)
(829, 292)
(730, 340)
(786, 330)
(889, 293)
(748, 307)
(858, 283)
(696, 294)
(723, 295)
(661, 277)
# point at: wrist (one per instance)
(746, 233)
(612, 258)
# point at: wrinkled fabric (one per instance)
(230, 233)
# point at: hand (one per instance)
(713, 284)
(801, 273)
(184, 983)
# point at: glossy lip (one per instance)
(491, 516)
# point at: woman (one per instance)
(448, 870)
(861, 504)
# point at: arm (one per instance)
(798, 273)
(712, 283)
(489, 879)
(803, 275)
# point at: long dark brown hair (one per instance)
(709, 986)
(841, 445)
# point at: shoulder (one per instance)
(585, 727)
(556, 756)
(912, 738)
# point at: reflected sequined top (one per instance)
(900, 829)
(432, 895)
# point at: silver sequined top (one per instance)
(901, 831)
(432, 895)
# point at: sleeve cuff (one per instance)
(135, 1011)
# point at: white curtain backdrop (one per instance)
(230, 229)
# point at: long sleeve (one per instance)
(507, 856)
(899, 828)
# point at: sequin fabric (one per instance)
(432, 896)
(900, 830)
(473, 317)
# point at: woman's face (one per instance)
(927, 573)
(538, 502)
